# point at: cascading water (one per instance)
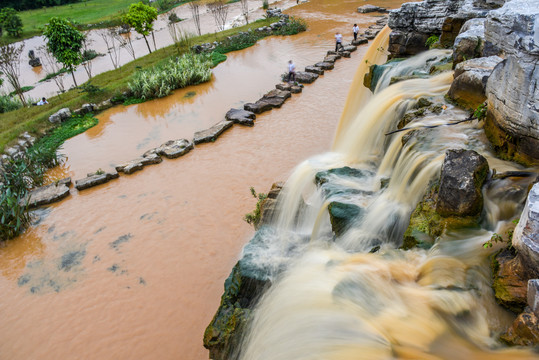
(337, 300)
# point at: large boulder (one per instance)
(470, 81)
(462, 176)
(470, 41)
(524, 331)
(60, 116)
(526, 235)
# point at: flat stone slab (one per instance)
(275, 102)
(276, 93)
(370, 8)
(47, 194)
(258, 107)
(95, 179)
(346, 54)
(359, 41)
(332, 58)
(296, 89)
(350, 48)
(325, 65)
(314, 69)
(303, 77)
(174, 148)
(283, 86)
(149, 158)
(241, 116)
(212, 133)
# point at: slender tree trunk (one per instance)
(153, 38)
(147, 43)
(21, 96)
(73, 75)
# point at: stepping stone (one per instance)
(275, 102)
(303, 77)
(332, 58)
(258, 107)
(359, 41)
(281, 94)
(283, 86)
(350, 48)
(95, 179)
(325, 65)
(346, 54)
(370, 37)
(240, 116)
(314, 70)
(149, 158)
(175, 148)
(331, 52)
(370, 8)
(212, 133)
(296, 89)
(47, 194)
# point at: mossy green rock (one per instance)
(342, 215)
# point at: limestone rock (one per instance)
(279, 94)
(332, 58)
(258, 107)
(296, 89)
(60, 116)
(212, 133)
(524, 331)
(325, 65)
(510, 281)
(240, 116)
(148, 158)
(175, 148)
(469, 44)
(345, 54)
(305, 77)
(370, 8)
(283, 86)
(95, 179)
(470, 81)
(533, 295)
(268, 205)
(526, 235)
(314, 70)
(463, 174)
(103, 105)
(48, 194)
(350, 48)
(359, 41)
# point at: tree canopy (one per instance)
(10, 21)
(65, 42)
(33, 4)
(141, 18)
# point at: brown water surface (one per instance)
(135, 268)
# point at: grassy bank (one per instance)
(111, 83)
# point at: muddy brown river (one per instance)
(134, 269)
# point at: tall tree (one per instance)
(194, 6)
(141, 18)
(10, 59)
(65, 42)
(219, 10)
(11, 22)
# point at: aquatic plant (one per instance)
(175, 73)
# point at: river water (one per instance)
(135, 268)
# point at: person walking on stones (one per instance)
(338, 41)
(291, 71)
(356, 31)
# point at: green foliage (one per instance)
(433, 39)
(13, 209)
(89, 54)
(293, 27)
(141, 18)
(217, 58)
(33, 4)
(50, 76)
(238, 42)
(64, 41)
(265, 5)
(11, 22)
(90, 88)
(173, 18)
(23, 89)
(481, 112)
(495, 238)
(255, 216)
(9, 103)
(176, 73)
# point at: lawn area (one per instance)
(34, 119)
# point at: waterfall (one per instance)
(356, 296)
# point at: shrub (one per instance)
(89, 54)
(292, 27)
(173, 18)
(255, 216)
(159, 81)
(238, 42)
(8, 103)
(265, 5)
(217, 58)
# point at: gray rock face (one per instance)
(212, 133)
(175, 148)
(60, 116)
(533, 296)
(305, 77)
(526, 234)
(47, 194)
(242, 117)
(470, 43)
(463, 174)
(314, 70)
(95, 179)
(512, 89)
(470, 81)
(325, 65)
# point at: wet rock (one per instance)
(175, 148)
(258, 107)
(325, 65)
(350, 48)
(240, 116)
(138, 164)
(469, 44)
(451, 28)
(212, 133)
(277, 94)
(60, 116)
(359, 41)
(526, 234)
(305, 77)
(370, 8)
(314, 70)
(48, 194)
(512, 92)
(296, 89)
(470, 81)
(268, 205)
(283, 86)
(533, 296)
(103, 105)
(95, 179)
(462, 176)
(510, 281)
(331, 58)
(274, 102)
(345, 54)
(342, 216)
(524, 331)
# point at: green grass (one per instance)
(34, 119)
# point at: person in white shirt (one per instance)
(338, 41)
(43, 101)
(356, 31)
(291, 71)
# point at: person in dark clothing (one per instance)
(291, 71)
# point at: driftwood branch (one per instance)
(470, 118)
